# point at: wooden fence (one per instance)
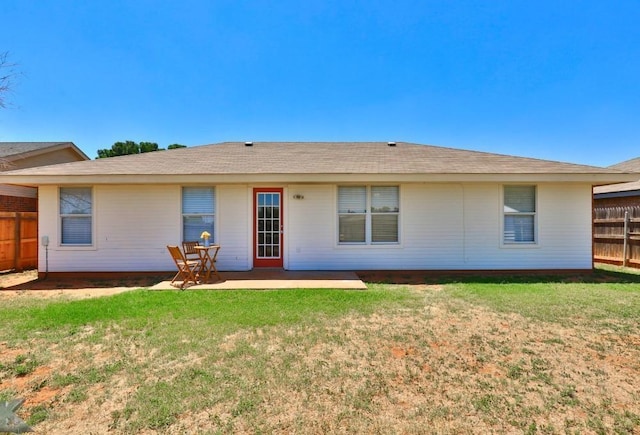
(616, 235)
(18, 240)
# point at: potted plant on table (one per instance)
(205, 236)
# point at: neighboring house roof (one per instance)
(621, 189)
(618, 190)
(632, 165)
(313, 162)
(17, 150)
(22, 155)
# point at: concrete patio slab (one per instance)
(277, 279)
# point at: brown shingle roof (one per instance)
(632, 165)
(634, 186)
(313, 158)
(9, 150)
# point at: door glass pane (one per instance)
(268, 225)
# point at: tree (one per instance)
(174, 146)
(120, 149)
(147, 147)
(7, 77)
(131, 147)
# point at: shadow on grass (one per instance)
(30, 281)
(602, 274)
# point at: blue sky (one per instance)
(547, 79)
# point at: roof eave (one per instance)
(47, 150)
(589, 178)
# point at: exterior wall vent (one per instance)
(391, 144)
(248, 144)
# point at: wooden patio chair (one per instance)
(187, 269)
(189, 249)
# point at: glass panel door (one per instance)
(268, 228)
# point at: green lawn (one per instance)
(533, 355)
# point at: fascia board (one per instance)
(37, 180)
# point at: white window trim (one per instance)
(77, 247)
(536, 233)
(368, 243)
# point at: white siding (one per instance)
(234, 217)
(446, 227)
(310, 227)
(132, 225)
(442, 227)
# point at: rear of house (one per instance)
(318, 206)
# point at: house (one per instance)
(320, 205)
(622, 194)
(617, 219)
(20, 155)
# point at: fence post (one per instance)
(16, 238)
(625, 245)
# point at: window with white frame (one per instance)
(368, 214)
(519, 214)
(76, 216)
(198, 212)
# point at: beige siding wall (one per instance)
(446, 226)
(232, 227)
(443, 226)
(132, 226)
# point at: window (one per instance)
(76, 211)
(198, 212)
(519, 214)
(368, 214)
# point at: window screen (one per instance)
(76, 211)
(519, 214)
(198, 212)
(368, 214)
(352, 209)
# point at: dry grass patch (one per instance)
(454, 358)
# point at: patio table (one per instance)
(208, 256)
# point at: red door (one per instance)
(267, 223)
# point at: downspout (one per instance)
(625, 244)
(46, 261)
(44, 241)
(464, 227)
